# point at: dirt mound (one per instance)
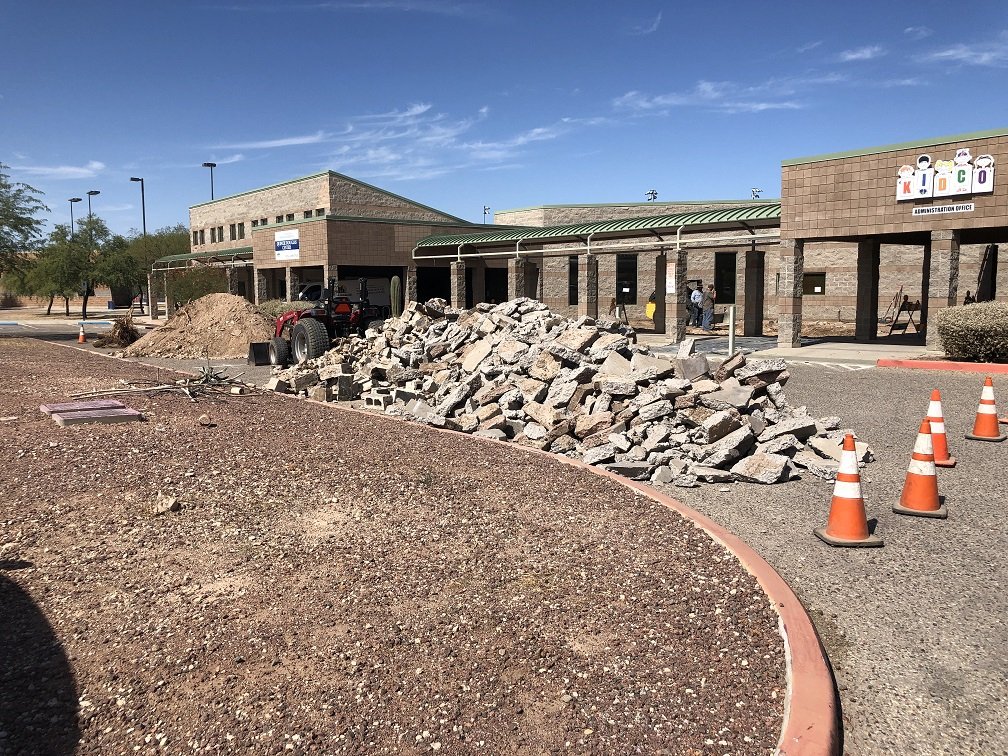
(217, 325)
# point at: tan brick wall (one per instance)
(857, 195)
(560, 215)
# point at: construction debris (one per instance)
(582, 388)
(211, 383)
(121, 334)
(217, 325)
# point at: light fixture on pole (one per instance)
(211, 166)
(143, 204)
(486, 212)
(71, 201)
(756, 192)
(91, 193)
(651, 195)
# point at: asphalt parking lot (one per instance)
(916, 630)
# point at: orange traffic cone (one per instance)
(986, 426)
(920, 492)
(80, 336)
(847, 524)
(939, 442)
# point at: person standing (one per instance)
(708, 307)
(969, 299)
(696, 297)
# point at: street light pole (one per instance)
(71, 201)
(91, 193)
(143, 217)
(211, 166)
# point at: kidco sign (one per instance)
(947, 178)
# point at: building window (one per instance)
(262, 221)
(814, 284)
(307, 213)
(320, 212)
(241, 230)
(290, 216)
(202, 237)
(195, 238)
(213, 235)
(220, 233)
(572, 280)
(279, 219)
(626, 279)
(255, 222)
(234, 232)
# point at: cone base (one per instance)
(868, 542)
(940, 514)
(950, 462)
(995, 439)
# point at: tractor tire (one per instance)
(279, 351)
(309, 339)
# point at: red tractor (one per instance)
(306, 334)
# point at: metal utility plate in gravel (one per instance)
(124, 415)
(97, 404)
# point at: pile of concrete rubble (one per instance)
(582, 388)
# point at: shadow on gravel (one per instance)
(38, 693)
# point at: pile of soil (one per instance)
(217, 325)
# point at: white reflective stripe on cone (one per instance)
(923, 444)
(986, 409)
(847, 490)
(937, 427)
(987, 393)
(848, 463)
(920, 467)
(934, 409)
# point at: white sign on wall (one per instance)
(287, 244)
(946, 178)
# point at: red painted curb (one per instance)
(960, 367)
(811, 721)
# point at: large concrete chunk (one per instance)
(731, 394)
(632, 470)
(727, 450)
(510, 350)
(615, 365)
(578, 339)
(720, 424)
(656, 410)
(761, 468)
(800, 426)
(545, 416)
(476, 354)
(759, 367)
(546, 367)
(645, 366)
(727, 368)
(599, 454)
(560, 393)
(588, 425)
(616, 386)
(692, 368)
(821, 468)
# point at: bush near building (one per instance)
(193, 283)
(975, 332)
(274, 308)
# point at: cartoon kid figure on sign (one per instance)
(904, 184)
(924, 176)
(943, 182)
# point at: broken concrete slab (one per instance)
(692, 368)
(727, 368)
(761, 468)
(818, 466)
(632, 470)
(800, 426)
(599, 454)
(588, 425)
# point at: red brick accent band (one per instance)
(960, 367)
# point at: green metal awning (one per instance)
(224, 255)
(752, 216)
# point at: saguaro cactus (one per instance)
(395, 294)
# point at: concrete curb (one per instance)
(959, 367)
(811, 709)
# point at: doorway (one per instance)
(986, 288)
(496, 282)
(724, 277)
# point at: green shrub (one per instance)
(274, 308)
(193, 283)
(975, 332)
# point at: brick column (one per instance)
(676, 311)
(940, 285)
(152, 297)
(410, 285)
(660, 295)
(229, 273)
(517, 273)
(260, 293)
(789, 298)
(866, 313)
(587, 286)
(754, 286)
(458, 284)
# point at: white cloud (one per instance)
(642, 30)
(869, 52)
(728, 96)
(992, 54)
(419, 143)
(918, 32)
(89, 170)
(114, 208)
(808, 46)
(905, 82)
(266, 144)
(236, 158)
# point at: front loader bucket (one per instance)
(258, 353)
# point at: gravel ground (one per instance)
(337, 583)
(916, 631)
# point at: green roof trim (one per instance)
(765, 200)
(220, 253)
(900, 146)
(763, 214)
(352, 180)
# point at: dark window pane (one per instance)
(626, 279)
(572, 280)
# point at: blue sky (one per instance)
(462, 104)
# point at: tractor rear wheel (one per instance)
(279, 351)
(309, 339)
